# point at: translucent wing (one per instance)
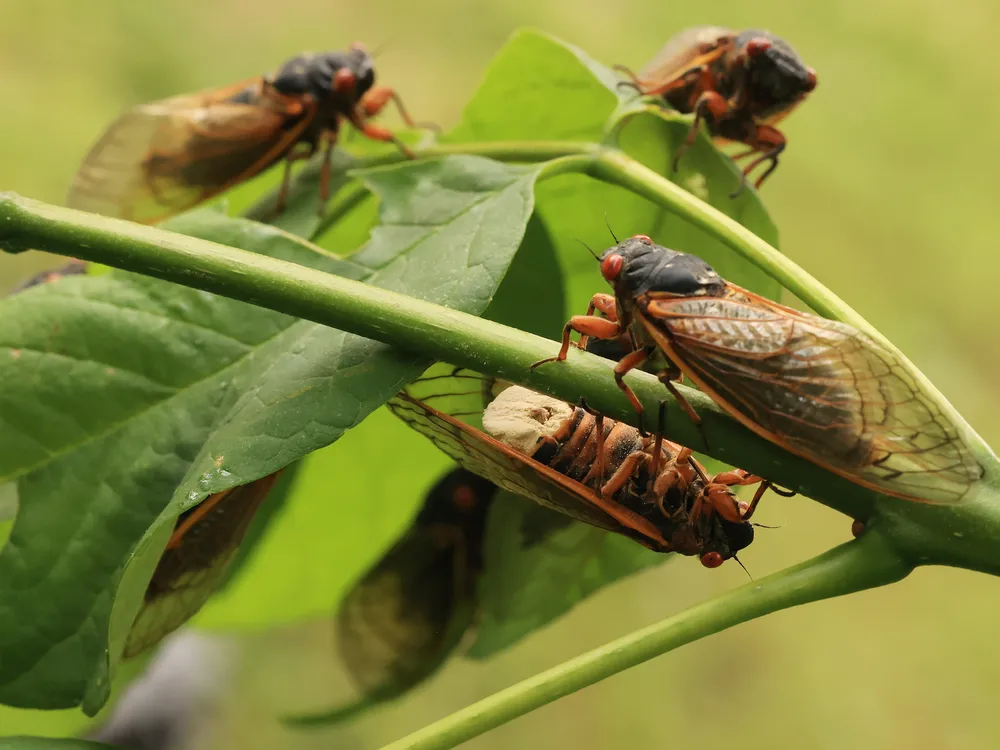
(514, 472)
(163, 158)
(195, 562)
(686, 50)
(821, 389)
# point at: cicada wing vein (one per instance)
(820, 389)
(514, 472)
(162, 158)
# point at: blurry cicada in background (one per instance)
(205, 541)
(72, 268)
(165, 157)
(403, 618)
(739, 83)
(593, 469)
(820, 389)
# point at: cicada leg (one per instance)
(377, 97)
(359, 119)
(588, 325)
(769, 142)
(604, 304)
(286, 180)
(710, 104)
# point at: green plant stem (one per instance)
(962, 535)
(865, 563)
(410, 324)
(618, 168)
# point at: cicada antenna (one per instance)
(589, 249)
(608, 225)
(743, 566)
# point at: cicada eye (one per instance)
(464, 498)
(810, 79)
(642, 238)
(757, 46)
(343, 81)
(712, 559)
(611, 266)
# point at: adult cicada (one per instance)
(590, 468)
(205, 541)
(403, 618)
(819, 388)
(739, 83)
(162, 158)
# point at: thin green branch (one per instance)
(964, 535)
(855, 566)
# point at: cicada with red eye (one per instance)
(593, 469)
(403, 618)
(168, 156)
(197, 557)
(820, 389)
(741, 84)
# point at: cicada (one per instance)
(739, 83)
(593, 469)
(205, 540)
(165, 157)
(820, 389)
(403, 618)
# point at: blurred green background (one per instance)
(885, 194)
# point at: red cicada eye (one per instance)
(358, 47)
(758, 45)
(810, 80)
(712, 560)
(642, 238)
(857, 528)
(343, 81)
(611, 267)
(464, 498)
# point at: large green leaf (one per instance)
(127, 400)
(363, 491)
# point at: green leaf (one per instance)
(538, 87)
(132, 400)
(297, 573)
(539, 565)
(46, 743)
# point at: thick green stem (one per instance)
(962, 535)
(855, 566)
(437, 332)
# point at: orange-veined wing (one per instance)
(489, 458)
(685, 51)
(819, 388)
(165, 157)
(195, 561)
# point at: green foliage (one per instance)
(128, 401)
(45, 743)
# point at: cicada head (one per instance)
(725, 542)
(639, 266)
(776, 77)
(337, 80)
